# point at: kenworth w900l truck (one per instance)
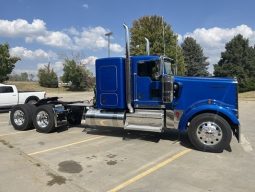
(141, 93)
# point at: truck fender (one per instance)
(205, 108)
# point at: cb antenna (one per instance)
(164, 44)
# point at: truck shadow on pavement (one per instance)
(171, 135)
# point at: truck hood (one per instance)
(194, 89)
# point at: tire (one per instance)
(209, 132)
(32, 101)
(74, 118)
(22, 116)
(32, 109)
(44, 119)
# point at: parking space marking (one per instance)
(149, 171)
(64, 146)
(15, 133)
(246, 144)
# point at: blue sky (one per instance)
(48, 30)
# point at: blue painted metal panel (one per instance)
(215, 107)
(195, 92)
(143, 86)
(110, 83)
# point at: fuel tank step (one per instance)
(145, 120)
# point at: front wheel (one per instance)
(210, 132)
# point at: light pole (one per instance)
(108, 35)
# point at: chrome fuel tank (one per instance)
(97, 117)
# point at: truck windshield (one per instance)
(167, 66)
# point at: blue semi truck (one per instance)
(141, 93)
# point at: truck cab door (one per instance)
(147, 84)
(8, 97)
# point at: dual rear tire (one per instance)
(28, 116)
(44, 120)
(22, 116)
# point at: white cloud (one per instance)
(89, 63)
(72, 31)
(213, 40)
(92, 38)
(85, 5)
(53, 38)
(20, 28)
(116, 48)
(89, 60)
(37, 54)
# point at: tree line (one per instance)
(237, 61)
(74, 73)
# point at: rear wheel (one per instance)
(210, 132)
(44, 119)
(21, 116)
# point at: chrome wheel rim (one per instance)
(19, 117)
(42, 119)
(209, 133)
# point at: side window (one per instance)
(149, 69)
(6, 89)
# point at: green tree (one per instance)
(194, 59)
(238, 60)
(7, 63)
(151, 27)
(47, 77)
(75, 73)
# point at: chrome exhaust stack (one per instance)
(147, 46)
(128, 71)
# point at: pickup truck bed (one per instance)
(10, 96)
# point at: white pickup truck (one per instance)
(10, 96)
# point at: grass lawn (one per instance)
(247, 95)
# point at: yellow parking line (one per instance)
(68, 145)
(149, 171)
(15, 133)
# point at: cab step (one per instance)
(145, 120)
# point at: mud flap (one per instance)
(237, 132)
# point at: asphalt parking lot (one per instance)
(79, 159)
